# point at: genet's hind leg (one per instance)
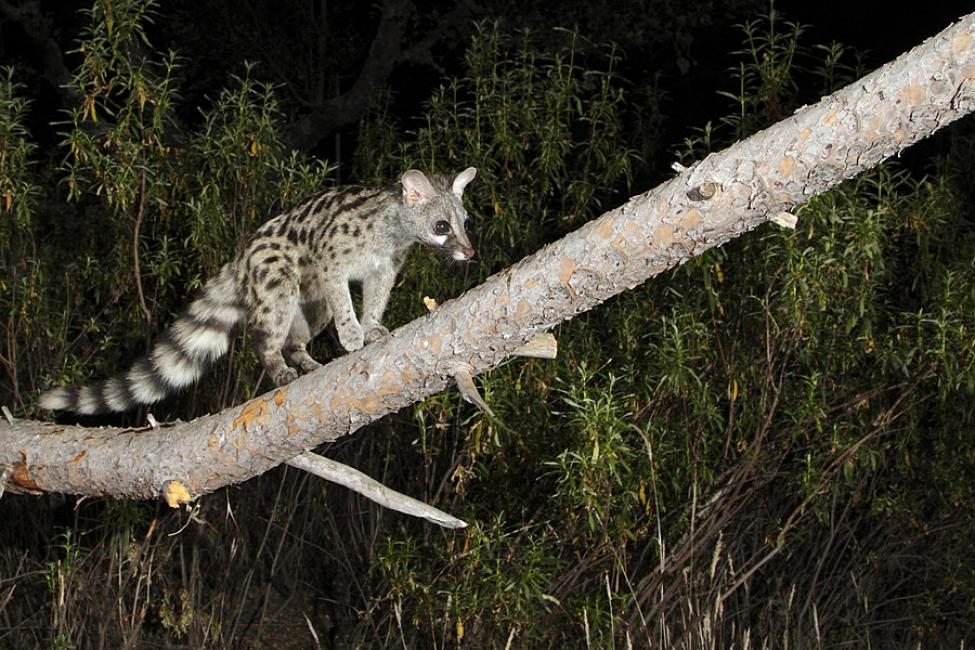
(309, 319)
(272, 320)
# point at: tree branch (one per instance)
(722, 197)
(39, 28)
(385, 52)
(372, 489)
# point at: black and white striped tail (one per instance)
(199, 336)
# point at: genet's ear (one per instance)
(416, 188)
(463, 179)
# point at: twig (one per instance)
(372, 489)
(135, 246)
(543, 346)
(785, 219)
(468, 390)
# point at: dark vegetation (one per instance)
(771, 446)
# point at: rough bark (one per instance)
(723, 196)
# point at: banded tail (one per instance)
(200, 336)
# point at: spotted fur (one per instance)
(289, 282)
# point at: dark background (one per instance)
(320, 47)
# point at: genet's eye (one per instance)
(441, 228)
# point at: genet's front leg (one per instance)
(375, 294)
(346, 324)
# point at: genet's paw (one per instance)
(309, 365)
(376, 333)
(351, 339)
(284, 376)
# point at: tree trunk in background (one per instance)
(389, 48)
(721, 197)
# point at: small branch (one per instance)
(4, 475)
(543, 346)
(372, 489)
(785, 219)
(449, 23)
(347, 108)
(135, 247)
(468, 390)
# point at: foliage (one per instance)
(766, 80)
(153, 208)
(771, 445)
(22, 282)
(543, 129)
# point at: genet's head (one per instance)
(436, 216)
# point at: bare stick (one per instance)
(372, 489)
(4, 475)
(468, 390)
(135, 247)
(543, 346)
